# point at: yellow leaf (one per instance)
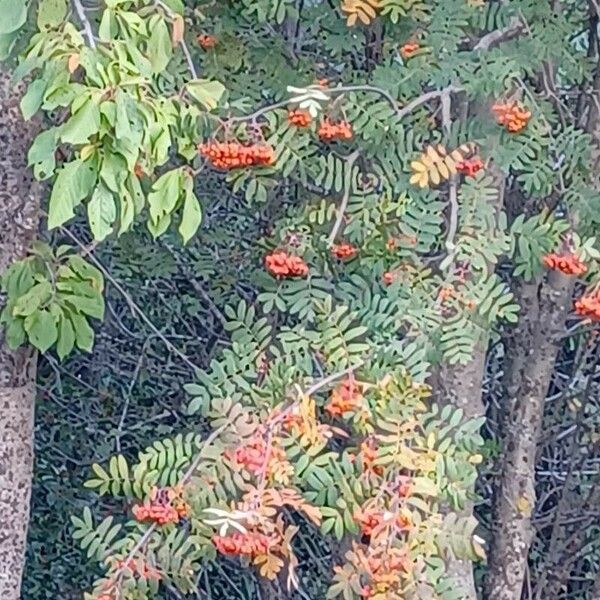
(451, 164)
(351, 20)
(73, 63)
(435, 176)
(523, 505)
(433, 154)
(418, 166)
(444, 170)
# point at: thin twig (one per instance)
(186, 476)
(500, 35)
(130, 301)
(349, 161)
(313, 389)
(446, 103)
(87, 28)
(186, 51)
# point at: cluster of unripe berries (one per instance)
(588, 306)
(512, 116)
(250, 544)
(299, 118)
(470, 166)
(346, 397)
(385, 569)
(409, 49)
(253, 454)
(282, 264)
(344, 251)
(568, 263)
(206, 41)
(372, 519)
(233, 155)
(334, 130)
(165, 506)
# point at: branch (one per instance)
(130, 301)
(350, 160)
(87, 28)
(513, 29)
(446, 102)
(186, 51)
(423, 98)
(188, 473)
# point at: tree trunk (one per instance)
(538, 335)
(19, 215)
(461, 386)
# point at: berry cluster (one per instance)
(253, 454)
(470, 166)
(389, 277)
(347, 397)
(589, 306)
(299, 118)
(233, 155)
(206, 41)
(282, 264)
(165, 506)
(409, 49)
(567, 263)
(329, 130)
(368, 453)
(448, 292)
(251, 544)
(141, 568)
(344, 251)
(371, 519)
(512, 116)
(385, 569)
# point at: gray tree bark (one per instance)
(19, 217)
(529, 370)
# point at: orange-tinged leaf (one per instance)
(73, 63)
(178, 30)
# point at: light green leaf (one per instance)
(41, 329)
(73, 183)
(14, 13)
(192, 213)
(164, 195)
(84, 334)
(7, 41)
(32, 100)
(102, 212)
(207, 92)
(51, 13)
(33, 299)
(159, 44)
(82, 125)
(66, 337)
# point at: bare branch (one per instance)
(493, 38)
(186, 51)
(87, 28)
(350, 160)
(130, 301)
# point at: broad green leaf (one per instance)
(191, 216)
(207, 92)
(164, 195)
(66, 337)
(102, 212)
(73, 183)
(42, 153)
(84, 123)
(14, 333)
(7, 41)
(32, 100)
(159, 44)
(14, 13)
(51, 13)
(84, 334)
(33, 299)
(41, 329)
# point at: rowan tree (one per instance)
(424, 175)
